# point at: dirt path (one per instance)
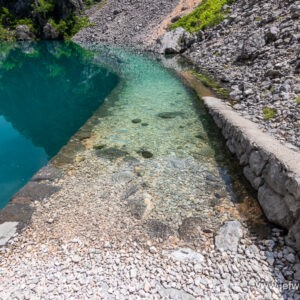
(183, 8)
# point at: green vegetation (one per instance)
(101, 5)
(43, 7)
(269, 113)
(208, 14)
(208, 82)
(43, 11)
(69, 27)
(298, 100)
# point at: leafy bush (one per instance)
(70, 26)
(5, 34)
(208, 14)
(43, 7)
(298, 100)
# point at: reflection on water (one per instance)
(47, 91)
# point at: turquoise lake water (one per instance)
(47, 92)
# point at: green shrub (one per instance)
(208, 14)
(298, 100)
(269, 113)
(6, 34)
(79, 23)
(70, 26)
(43, 7)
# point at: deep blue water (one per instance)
(47, 92)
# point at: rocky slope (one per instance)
(255, 53)
(125, 22)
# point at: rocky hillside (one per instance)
(125, 22)
(255, 53)
(45, 19)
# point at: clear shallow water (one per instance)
(152, 119)
(47, 92)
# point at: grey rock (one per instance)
(257, 161)
(123, 177)
(185, 254)
(252, 46)
(271, 34)
(7, 231)
(255, 181)
(49, 32)
(276, 177)
(173, 42)
(228, 236)
(274, 207)
(23, 33)
(297, 272)
(293, 187)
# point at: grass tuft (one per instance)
(208, 82)
(269, 113)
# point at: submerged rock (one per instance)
(136, 121)
(228, 236)
(157, 229)
(111, 153)
(170, 115)
(146, 153)
(191, 229)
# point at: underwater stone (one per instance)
(157, 229)
(170, 115)
(136, 121)
(111, 153)
(145, 153)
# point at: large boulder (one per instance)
(23, 33)
(174, 42)
(252, 46)
(274, 207)
(49, 32)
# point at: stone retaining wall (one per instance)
(271, 168)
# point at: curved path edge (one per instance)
(271, 168)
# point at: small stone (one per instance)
(76, 258)
(147, 287)
(152, 250)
